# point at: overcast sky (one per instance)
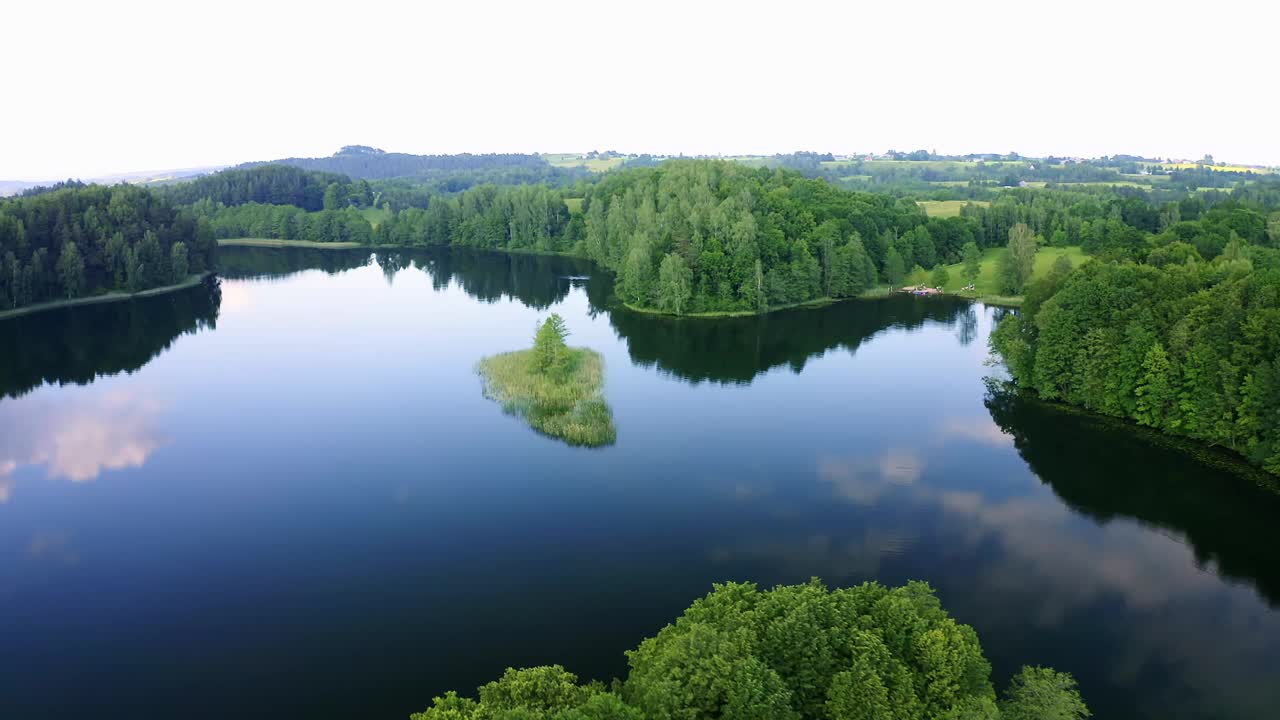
(101, 87)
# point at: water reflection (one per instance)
(736, 350)
(1228, 522)
(76, 437)
(79, 344)
(238, 263)
(331, 462)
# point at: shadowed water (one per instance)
(284, 495)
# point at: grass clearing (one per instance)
(1218, 168)
(269, 242)
(571, 160)
(376, 216)
(574, 204)
(948, 208)
(572, 409)
(988, 289)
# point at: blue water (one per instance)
(284, 495)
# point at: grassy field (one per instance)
(572, 409)
(947, 208)
(191, 281)
(1219, 168)
(268, 242)
(568, 160)
(574, 204)
(986, 285)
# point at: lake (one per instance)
(282, 494)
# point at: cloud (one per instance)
(980, 430)
(77, 434)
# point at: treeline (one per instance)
(791, 653)
(1118, 222)
(274, 185)
(284, 222)
(1176, 343)
(522, 217)
(361, 162)
(84, 240)
(697, 235)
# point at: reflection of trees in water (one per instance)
(79, 344)
(967, 328)
(538, 281)
(735, 350)
(237, 262)
(1228, 521)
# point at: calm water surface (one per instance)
(285, 496)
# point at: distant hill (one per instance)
(361, 162)
(140, 177)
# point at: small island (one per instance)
(555, 388)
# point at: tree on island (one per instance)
(550, 353)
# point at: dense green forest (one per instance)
(1176, 341)
(274, 185)
(83, 240)
(791, 653)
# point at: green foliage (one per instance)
(1189, 349)
(797, 652)
(550, 354)
(972, 263)
(86, 239)
(1038, 693)
(538, 693)
(675, 284)
(178, 263)
(939, 277)
(71, 270)
(894, 268)
(1017, 265)
(270, 185)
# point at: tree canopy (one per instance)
(799, 652)
(86, 239)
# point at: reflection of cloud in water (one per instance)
(831, 558)
(981, 430)
(1079, 566)
(76, 436)
(235, 296)
(864, 480)
(1050, 566)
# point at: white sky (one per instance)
(100, 87)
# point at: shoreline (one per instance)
(1220, 457)
(191, 281)
(270, 243)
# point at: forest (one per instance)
(1178, 331)
(84, 240)
(797, 652)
